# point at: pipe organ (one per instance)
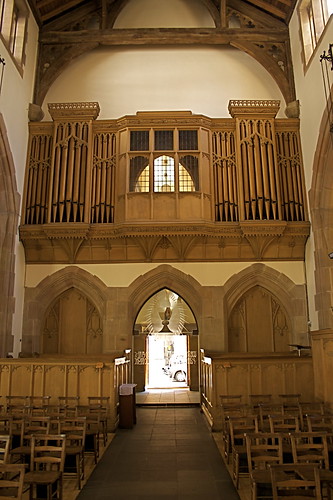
(230, 188)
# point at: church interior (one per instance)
(166, 208)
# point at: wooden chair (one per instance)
(310, 447)
(267, 409)
(46, 466)
(5, 425)
(29, 426)
(93, 435)
(17, 405)
(75, 431)
(238, 428)
(308, 409)
(263, 449)
(68, 405)
(4, 449)
(39, 405)
(284, 423)
(319, 422)
(100, 405)
(11, 481)
(231, 406)
(295, 481)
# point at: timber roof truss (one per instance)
(71, 28)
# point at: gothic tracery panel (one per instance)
(72, 325)
(258, 323)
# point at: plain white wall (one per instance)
(125, 80)
(16, 94)
(164, 14)
(311, 94)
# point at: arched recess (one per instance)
(39, 301)
(258, 323)
(9, 209)
(289, 296)
(144, 287)
(321, 209)
(165, 276)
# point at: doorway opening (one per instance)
(167, 367)
(165, 344)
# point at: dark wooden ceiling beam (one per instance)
(60, 10)
(40, 4)
(257, 15)
(286, 2)
(271, 9)
(164, 36)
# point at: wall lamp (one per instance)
(330, 255)
(327, 57)
(3, 63)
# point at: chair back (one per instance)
(48, 452)
(75, 429)
(284, 423)
(34, 425)
(11, 481)
(240, 426)
(298, 482)
(4, 449)
(263, 449)
(310, 447)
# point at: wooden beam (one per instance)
(164, 36)
(257, 15)
(60, 10)
(286, 2)
(43, 3)
(223, 13)
(268, 7)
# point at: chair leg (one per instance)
(78, 470)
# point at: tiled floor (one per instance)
(167, 396)
(169, 454)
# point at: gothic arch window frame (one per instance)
(39, 299)
(160, 164)
(293, 297)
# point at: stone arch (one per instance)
(291, 296)
(165, 276)
(321, 209)
(144, 287)
(9, 209)
(40, 298)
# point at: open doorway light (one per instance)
(167, 356)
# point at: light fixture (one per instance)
(3, 63)
(330, 255)
(326, 60)
(328, 56)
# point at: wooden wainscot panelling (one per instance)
(322, 353)
(62, 376)
(244, 374)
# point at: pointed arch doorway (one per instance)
(165, 344)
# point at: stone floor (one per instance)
(169, 454)
(167, 396)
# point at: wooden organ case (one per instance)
(164, 186)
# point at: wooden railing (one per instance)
(246, 374)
